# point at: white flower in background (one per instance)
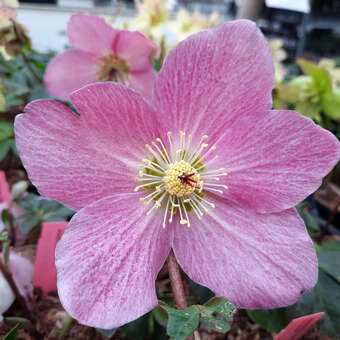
(22, 273)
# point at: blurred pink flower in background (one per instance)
(22, 273)
(145, 180)
(101, 53)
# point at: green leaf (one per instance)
(221, 306)
(213, 320)
(309, 219)
(141, 328)
(5, 146)
(182, 323)
(273, 320)
(325, 297)
(29, 223)
(6, 130)
(107, 333)
(202, 293)
(12, 334)
(330, 103)
(328, 257)
(321, 77)
(160, 315)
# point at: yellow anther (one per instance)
(204, 137)
(187, 200)
(212, 205)
(182, 133)
(169, 133)
(140, 173)
(205, 145)
(158, 139)
(183, 221)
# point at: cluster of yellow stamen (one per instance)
(176, 181)
(178, 178)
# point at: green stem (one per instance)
(31, 69)
(66, 328)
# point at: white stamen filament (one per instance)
(178, 178)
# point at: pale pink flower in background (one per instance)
(22, 273)
(101, 53)
(146, 179)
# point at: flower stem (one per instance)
(177, 287)
(8, 276)
(176, 281)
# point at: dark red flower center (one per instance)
(185, 179)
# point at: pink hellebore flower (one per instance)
(101, 53)
(147, 178)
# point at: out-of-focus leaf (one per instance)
(203, 294)
(330, 103)
(273, 320)
(329, 259)
(13, 333)
(6, 130)
(309, 219)
(107, 333)
(321, 78)
(325, 297)
(30, 222)
(141, 328)
(309, 109)
(5, 146)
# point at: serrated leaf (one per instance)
(182, 323)
(213, 320)
(321, 77)
(13, 333)
(221, 306)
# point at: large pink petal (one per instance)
(214, 76)
(108, 259)
(80, 159)
(91, 33)
(69, 71)
(274, 159)
(254, 260)
(143, 83)
(136, 49)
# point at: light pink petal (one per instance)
(136, 49)
(213, 77)
(143, 83)
(91, 33)
(80, 159)
(108, 259)
(298, 327)
(69, 71)
(254, 260)
(274, 159)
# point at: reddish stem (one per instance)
(176, 281)
(19, 297)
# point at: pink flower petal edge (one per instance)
(214, 76)
(91, 153)
(91, 33)
(255, 260)
(298, 327)
(108, 260)
(274, 159)
(70, 71)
